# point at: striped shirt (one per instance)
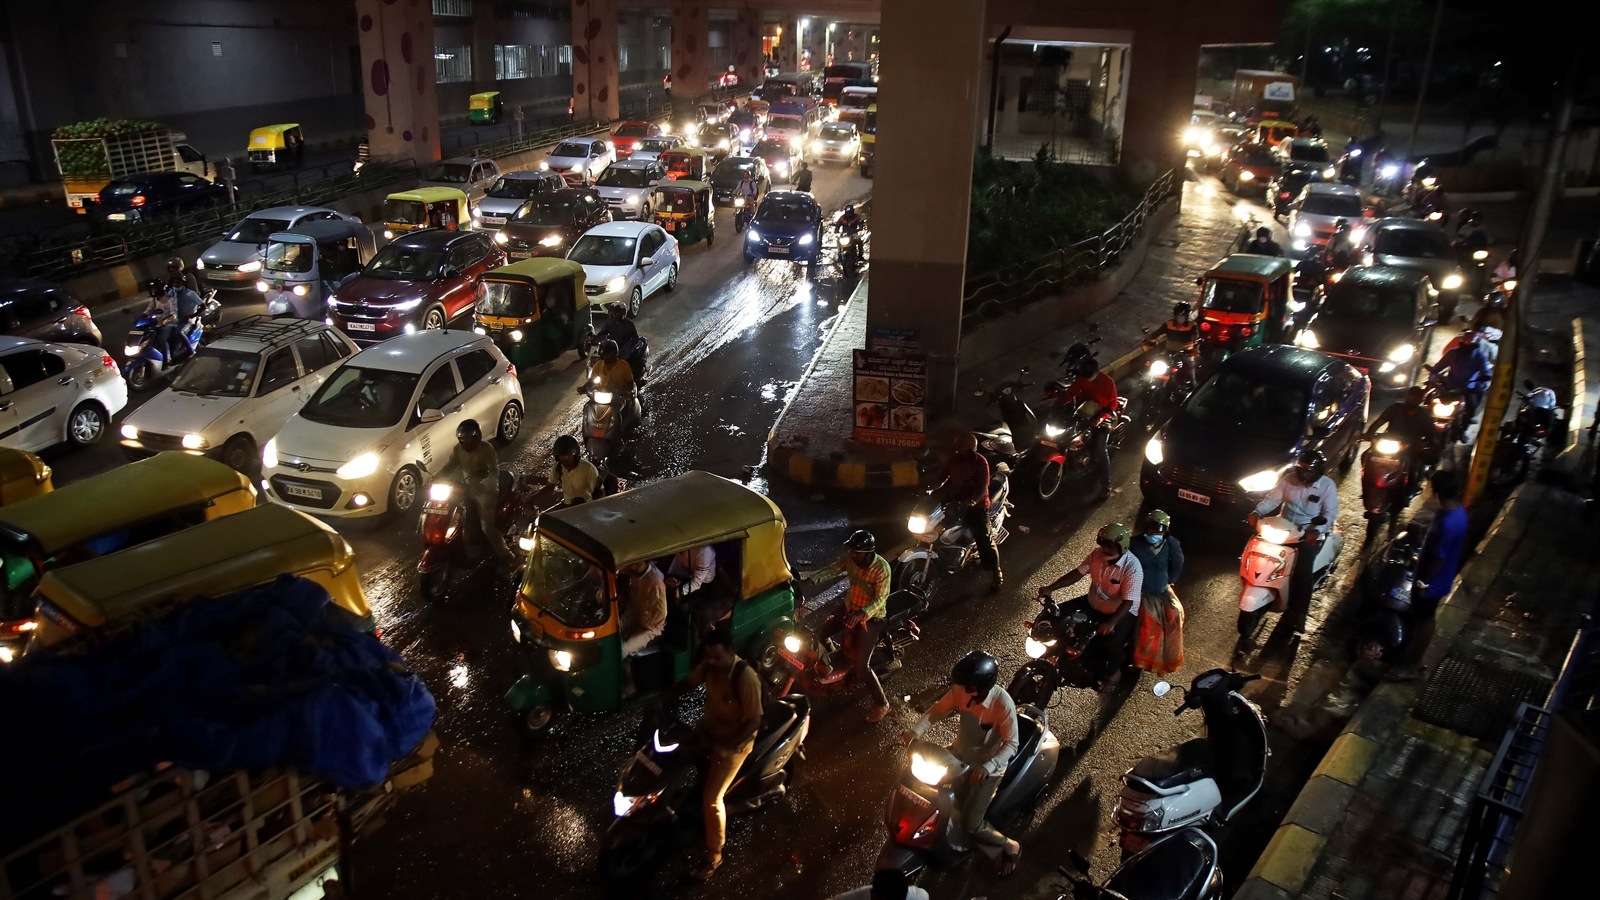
(1113, 581)
(869, 585)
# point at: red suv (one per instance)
(421, 279)
(628, 135)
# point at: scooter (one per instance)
(608, 424)
(146, 361)
(942, 544)
(1013, 442)
(1267, 567)
(1350, 166)
(1061, 651)
(1386, 485)
(1169, 379)
(742, 214)
(924, 816)
(1183, 865)
(449, 528)
(1387, 586)
(637, 353)
(814, 661)
(658, 793)
(1523, 438)
(1206, 781)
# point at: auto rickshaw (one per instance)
(484, 108)
(429, 207)
(567, 617)
(1273, 132)
(533, 309)
(22, 475)
(1244, 302)
(687, 163)
(231, 554)
(685, 210)
(276, 146)
(302, 266)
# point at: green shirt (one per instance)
(479, 467)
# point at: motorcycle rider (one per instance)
(1465, 368)
(802, 177)
(577, 478)
(1505, 274)
(177, 274)
(610, 372)
(1116, 589)
(474, 464)
(746, 188)
(866, 605)
(1160, 559)
(1350, 162)
(1263, 244)
(964, 482)
(1442, 549)
(1409, 421)
(986, 742)
(850, 223)
(618, 327)
(1340, 251)
(1182, 332)
(174, 307)
(1303, 495)
(1094, 386)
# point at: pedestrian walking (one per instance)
(226, 175)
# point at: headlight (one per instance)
(576, 168)
(917, 524)
(1246, 175)
(301, 290)
(130, 433)
(439, 493)
(269, 454)
(782, 168)
(1302, 229)
(1159, 367)
(927, 771)
(792, 643)
(562, 660)
(630, 200)
(1355, 152)
(544, 165)
(253, 265)
(388, 234)
(1391, 170)
(263, 287)
(602, 397)
(1436, 216)
(818, 147)
(1308, 340)
(752, 235)
(1336, 277)
(516, 335)
(193, 442)
(623, 805)
(805, 240)
(616, 284)
(1191, 135)
(738, 203)
(1452, 281)
(360, 467)
(1402, 353)
(1387, 446)
(516, 631)
(1328, 172)
(723, 144)
(1444, 409)
(1152, 451)
(199, 264)
(1510, 284)
(553, 240)
(1054, 431)
(131, 350)
(797, 142)
(1480, 255)
(1260, 482)
(500, 238)
(1273, 534)
(1033, 648)
(525, 544)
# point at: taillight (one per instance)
(1205, 326)
(138, 200)
(80, 311)
(108, 362)
(511, 368)
(1246, 330)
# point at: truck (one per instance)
(89, 155)
(1272, 93)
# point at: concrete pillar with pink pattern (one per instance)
(595, 74)
(691, 38)
(747, 59)
(399, 80)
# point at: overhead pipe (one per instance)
(994, 90)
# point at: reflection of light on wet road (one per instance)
(458, 676)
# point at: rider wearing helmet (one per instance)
(1340, 251)
(1409, 421)
(965, 483)
(1182, 332)
(986, 741)
(849, 219)
(177, 275)
(577, 478)
(1160, 562)
(1308, 498)
(1090, 385)
(1263, 244)
(609, 371)
(1116, 589)
(866, 604)
(618, 327)
(475, 466)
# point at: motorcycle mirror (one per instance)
(1528, 383)
(1161, 689)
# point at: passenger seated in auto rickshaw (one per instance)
(691, 575)
(644, 615)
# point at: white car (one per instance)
(579, 160)
(836, 142)
(56, 393)
(626, 261)
(235, 260)
(365, 443)
(1317, 209)
(626, 186)
(245, 382)
(651, 148)
(472, 175)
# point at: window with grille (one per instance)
(564, 59)
(455, 8)
(513, 61)
(452, 64)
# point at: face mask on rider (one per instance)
(1154, 540)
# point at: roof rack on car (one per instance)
(273, 331)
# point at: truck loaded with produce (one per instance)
(229, 748)
(91, 154)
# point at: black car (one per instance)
(1286, 186)
(143, 196)
(1226, 447)
(45, 311)
(788, 225)
(781, 156)
(731, 171)
(1380, 319)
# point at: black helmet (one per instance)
(156, 287)
(977, 672)
(174, 264)
(617, 309)
(1080, 360)
(469, 430)
(1182, 308)
(1476, 240)
(861, 541)
(849, 209)
(1313, 461)
(1341, 224)
(1470, 216)
(566, 445)
(608, 349)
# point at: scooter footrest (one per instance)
(1000, 534)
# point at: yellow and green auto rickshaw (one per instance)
(1245, 302)
(484, 108)
(276, 146)
(567, 617)
(22, 475)
(687, 163)
(685, 210)
(533, 309)
(429, 207)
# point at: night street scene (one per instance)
(1157, 461)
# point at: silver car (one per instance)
(836, 142)
(236, 260)
(472, 175)
(1421, 247)
(626, 186)
(506, 196)
(1319, 207)
(652, 147)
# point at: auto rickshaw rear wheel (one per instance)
(537, 718)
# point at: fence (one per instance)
(1016, 286)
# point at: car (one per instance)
(56, 393)
(419, 281)
(235, 260)
(749, 124)
(1306, 153)
(652, 148)
(1248, 167)
(1200, 133)
(628, 135)
(1227, 445)
(716, 138)
(625, 186)
(509, 193)
(731, 171)
(471, 175)
(787, 225)
(781, 157)
(359, 447)
(579, 160)
(1378, 318)
(32, 307)
(243, 384)
(836, 142)
(143, 196)
(1214, 148)
(715, 110)
(1315, 211)
(626, 261)
(1422, 247)
(1286, 185)
(551, 223)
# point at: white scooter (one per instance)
(1267, 567)
(942, 544)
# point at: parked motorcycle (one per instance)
(924, 816)
(1522, 439)
(1061, 651)
(450, 534)
(1182, 865)
(1388, 584)
(941, 543)
(146, 361)
(814, 661)
(1267, 567)
(1203, 782)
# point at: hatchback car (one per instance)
(44, 310)
(728, 175)
(652, 148)
(626, 185)
(626, 261)
(716, 138)
(578, 160)
(1422, 247)
(235, 260)
(1226, 447)
(509, 193)
(1378, 318)
(471, 175)
(421, 280)
(1307, 153)
(836, 142)
(239, 389)
(1248, 167)
(56, 393)
(359, 446)
(144, 196)
(550, 224)
(788, 225)
(781, 157)
(1319, 206)
(628, 135)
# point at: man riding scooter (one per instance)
(1262, 244)
(474, 464)
(178, 306)
(1116, 584)
(1182, 332)
(610, 373)
(849, 227)
(618, 327)
(747, 191)
(1309, 499)
(1465, 368)
(1410, 421)
(576, 477)
(866, 605)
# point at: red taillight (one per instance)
(108, 362)
(1205, 326)
(377, 632)
(511, 368)
(138, 200)
(1246, 330)
(79, 311)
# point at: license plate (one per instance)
(781, 251)
(310, 493)
(117, 217)
(1192, 497)
(361, 326)
(494, 220)
(216, 276)
(521, 254)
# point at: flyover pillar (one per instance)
(788, 53)
(747, 58)
(691, 39)
(595, 76)
(1163, 71)
(919, 234)
(399, 83)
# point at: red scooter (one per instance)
(450, 529)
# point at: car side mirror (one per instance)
(450, 272)
(429, 416)
(647, 262)
(1199, 280)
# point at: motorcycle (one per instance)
(146, 360)
(1350, 166)
(1016, 438)
(942, 543)
(658, 793)
(637, 353)
(742, 214)
(1472, 251)
(851, 244)
(1182, 865)
(1386, 481)
(1061, 651)
(814, 661)
(1068, 433)
(1169, 379)
(449, 528)
(1387, 587)
(924, 816)
(609, 423)
(1267, 567)
(1205, 781)
(1429, 205)
(1523, 438)
(1451, 415)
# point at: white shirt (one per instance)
(988, 735)
(1302, 503)
(1113, 581)
(694, 568)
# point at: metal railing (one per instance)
(1013, 287)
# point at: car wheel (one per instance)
(510, 423)
(672, 278)
(241, 455)
(86, 425)
(635, 302)
(434, 318)
(405, 492)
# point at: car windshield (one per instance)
(256, 231)
(743, 118)
(358, 397)
(1358, 301)
(732, 170)
(1331, 205)
(571, 589)
(710, 134)
(835, 131)
(218, 373)
(1257, 155)
(784, 209)
(1412, 243)
(547, 212)
(123, 189)
(603, 250)
(449, 173)
(507, 298)
(1308, 152)
(657, 144)
(517, 188)
(405, 263)
(772, 148)
(1228, 295)
(785, 123)
(633, 131)
(570, 150)
(286, 257)
(1254, 404)
(627, 178)
(675, 201)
